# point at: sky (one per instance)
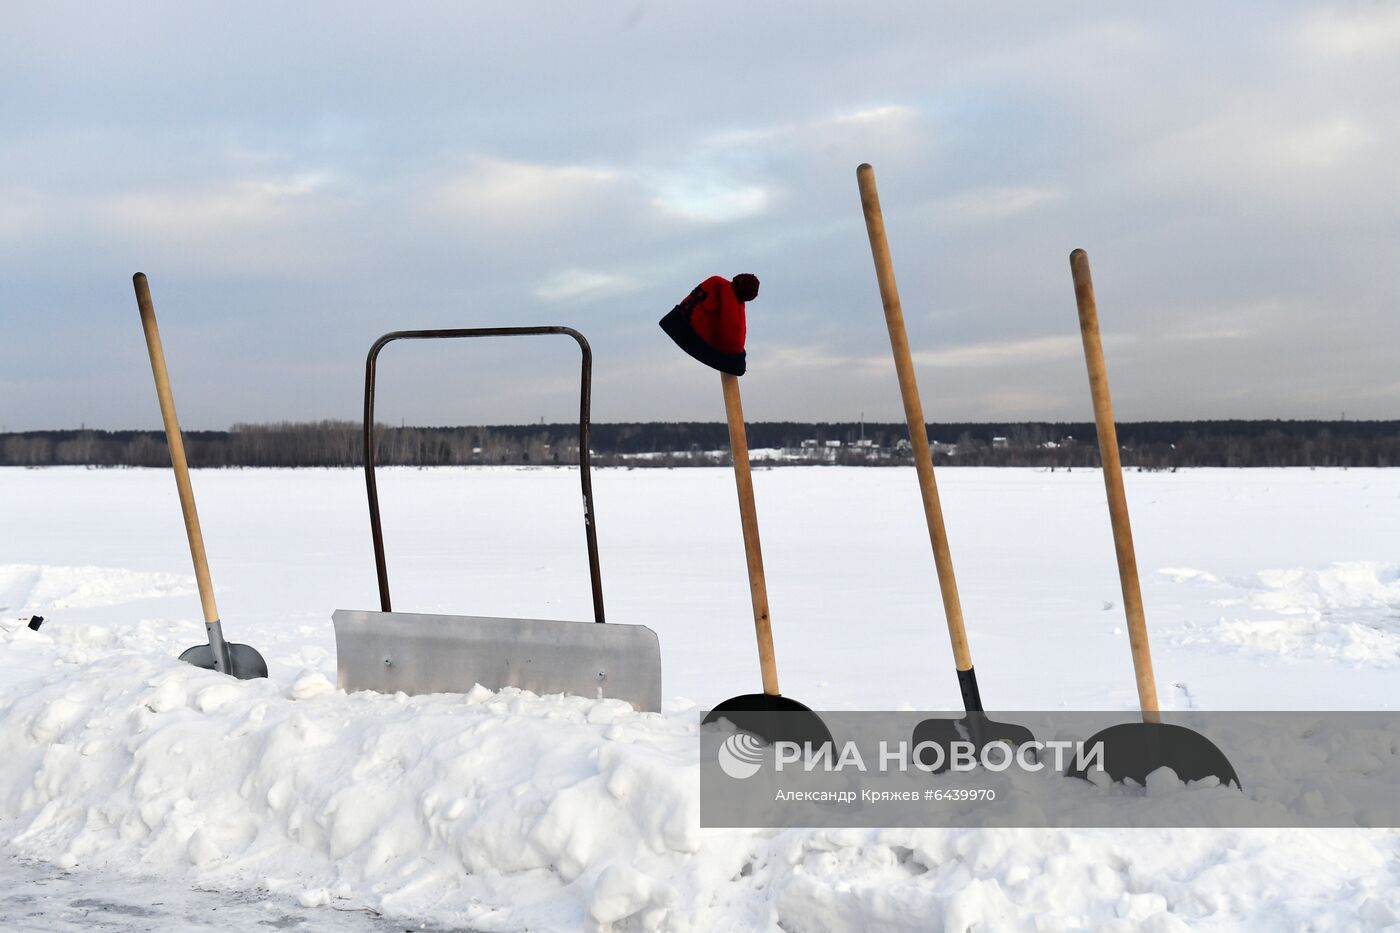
(297, 179)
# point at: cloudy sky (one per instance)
(298, 178)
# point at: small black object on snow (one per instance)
(35, 622)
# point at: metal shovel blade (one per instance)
(1136, 749)
(244, 661)
(773, 719)
(973, 727)
(414, 653)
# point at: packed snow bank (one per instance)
(509, 812)
(411, 804)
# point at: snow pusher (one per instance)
(1134, 749)
(416, 653)
(976, 726)
(237, 660)
(710, 326)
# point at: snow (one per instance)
(29, 588)
(36, 897)
(1265, 589)
(1347, 611)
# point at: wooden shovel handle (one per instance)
(748, 517)
(177, 447)
(914, 415)
(1113, 483)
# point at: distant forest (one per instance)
(1155, 445)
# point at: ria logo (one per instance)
(740, 755)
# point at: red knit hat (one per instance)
(709, 323)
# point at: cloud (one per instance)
(1327, 142)
(863, 119)
(745, 173)
(1210, 322)
(984, 204)
(1016, 405)
(815, 357)
(1243, 153)
(354, 173)
(22, 213)
(881, 115)
(584, 284)
(709, 199)
(1006, 353)
(245, 203)
(521, 193)
(248, 226)
(1354, 31)
(1003, 352)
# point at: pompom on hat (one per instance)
(709, 323)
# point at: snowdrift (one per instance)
(511, 812)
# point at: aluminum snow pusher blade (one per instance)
(415, 653)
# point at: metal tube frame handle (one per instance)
(585, 394)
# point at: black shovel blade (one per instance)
(244, 661)
(975, 727)
(1136, 749)
(773, 719)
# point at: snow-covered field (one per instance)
(1265, 589)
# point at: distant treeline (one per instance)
(1146, 444)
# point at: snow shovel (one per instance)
(231, 658)
(975, 726)
(417, 653)
(1133, 750)
(719, 305)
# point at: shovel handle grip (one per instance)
(748, 517)
(1113, 483)
(914, 415)
(177, 447)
